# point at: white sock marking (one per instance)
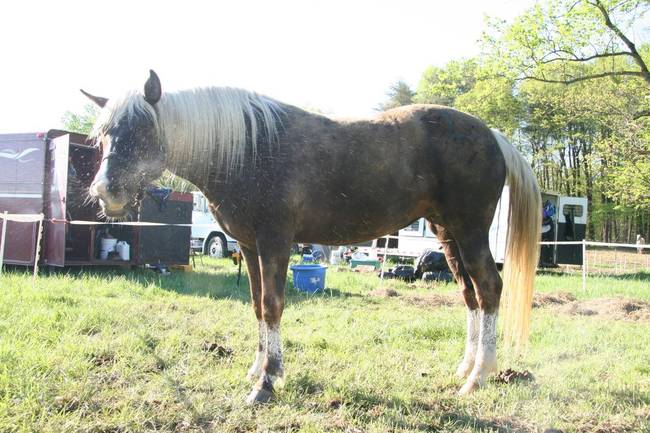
(256, 368)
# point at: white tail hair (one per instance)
(522, 245)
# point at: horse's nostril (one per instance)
(98, 188)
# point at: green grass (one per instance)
(111, 351)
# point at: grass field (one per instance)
(111, 351)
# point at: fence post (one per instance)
(381, 278)
(38, 250)
(2, 241)
(584, 265)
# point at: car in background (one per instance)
(207, 235)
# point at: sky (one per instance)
(336, 56)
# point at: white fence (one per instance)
(597, 257)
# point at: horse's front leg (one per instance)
(255, 283)
(273, 259)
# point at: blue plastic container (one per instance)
(309, 278)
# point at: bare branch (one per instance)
(583, 59)
(584, 77)
(645, 73)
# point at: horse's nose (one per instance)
(99, 187)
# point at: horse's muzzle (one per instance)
(113, 205)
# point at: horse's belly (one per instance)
(345, 224)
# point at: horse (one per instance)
(275, 175)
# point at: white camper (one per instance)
(566, 221)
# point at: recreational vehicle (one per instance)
(565, 219)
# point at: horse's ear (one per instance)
(152, 89)
(96, 99)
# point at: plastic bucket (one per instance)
(107, 245)
(309, 278)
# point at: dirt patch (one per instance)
(103, 359)
(427, 300)
(384, 293)
(610, 309)
(216, 350)
(552, 299)
(605, 308)
(435, 300)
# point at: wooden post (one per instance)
(2, 241)
(38, 249)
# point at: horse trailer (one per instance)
(49, 173)
(565, 219)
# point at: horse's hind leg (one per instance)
(455, 262)
(478, 262)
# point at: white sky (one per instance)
(337, 56)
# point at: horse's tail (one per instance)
(522, 245)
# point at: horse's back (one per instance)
(363, 178)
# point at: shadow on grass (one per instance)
(367, 406)
(632, 276)
(218, 282)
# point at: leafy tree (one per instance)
(549, 40)
(81, 122)
(493, 100)
(399, 94)
(443, 85)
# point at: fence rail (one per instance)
(40, 219)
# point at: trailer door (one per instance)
(55, 206)
(572, 226)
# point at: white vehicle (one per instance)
(568, 223)
(208, 237)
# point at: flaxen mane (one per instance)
(213, 125)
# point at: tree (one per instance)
(583, 85)
(399, 94)
(443, 85)
(493, 100)
(547, 41)
(81, 122)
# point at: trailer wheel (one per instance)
(217, 247)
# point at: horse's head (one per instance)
(132, 151)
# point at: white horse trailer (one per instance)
(567, 223)
(207, 236)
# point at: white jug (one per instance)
(123, 250)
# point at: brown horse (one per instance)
(276, 174)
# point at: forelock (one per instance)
(131, 106)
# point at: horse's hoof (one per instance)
(259, 396)
(469, 387)
(464, 369)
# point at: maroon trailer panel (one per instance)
(22, 172)
(50, 174)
